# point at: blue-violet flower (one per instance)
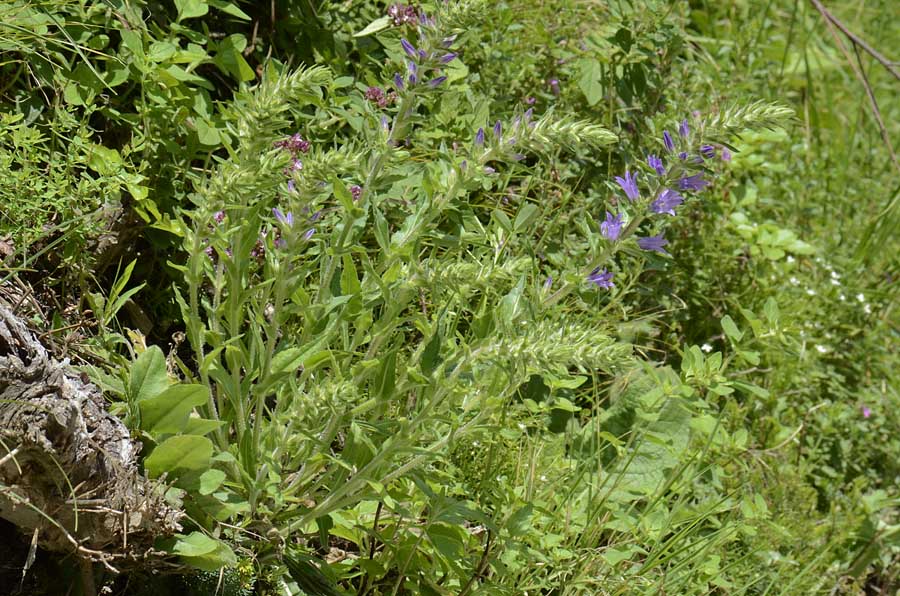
(602, 278)
(668, 142)
(657, 164)
(629, 185)
(695, 182)
(666, 202)
(612, 227)
(654, 243)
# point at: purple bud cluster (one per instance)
(402, 14)
(295, 144)
(424, 62)
(667, 181)
(377, 96)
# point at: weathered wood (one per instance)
(68, 468)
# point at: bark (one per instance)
(68, 468)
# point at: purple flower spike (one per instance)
(657, 164)
(447, 58)
(448, 41)
(554, 86)
(695, 182)
(530, 100)
(489, 170)
(219, 217)
(602, 278)
(682, 156)
(498, 130)
(291, 186)
(683, 129)
(667, 201)
(708, 151)
(286, 219)
(629, 185)
(548, 283)
(866, 411)
(409, 48)
(479, 138)
(528, 115)
(356, 191)
(668, 142)
(611, 229)
(309, 233)
(726, 154)
(398, 82)
(654, 243)
(436, 81)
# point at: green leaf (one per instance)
(201, 551)
(179, 455)
(229, 8)
(349, 277)
(520, 522)
(189, 9)
(168, 412)
(210, 481)
(526, 215)
(431, 355)
(207, 134)
(191, 545)
(105, 161)
(230, 58)
(160, 51)
(591, 72)
(731, 329)
(148, 376)
(201, 426)
(374, 27)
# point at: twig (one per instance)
(833, 22)
(856, 39)
(480, 569)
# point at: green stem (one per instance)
(568, 287)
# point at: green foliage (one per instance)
(391, 374)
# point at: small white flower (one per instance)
(867, 308)
(790, 259)
(475, 443)
(811, 291)
(821, 349)
(794, 281)
(861, 297)
(543, 478)
(841, 297)
(835, 275)
(706, 348)
(835, 281)
(522, 426)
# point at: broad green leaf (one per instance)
(191, 545)
(210, 481)
(148, 376)
(589, 80)
(374, 27)
(189, 9)
(229, 8)
(222, 556)
(168, 412)
(160, 51)
(179, 455)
